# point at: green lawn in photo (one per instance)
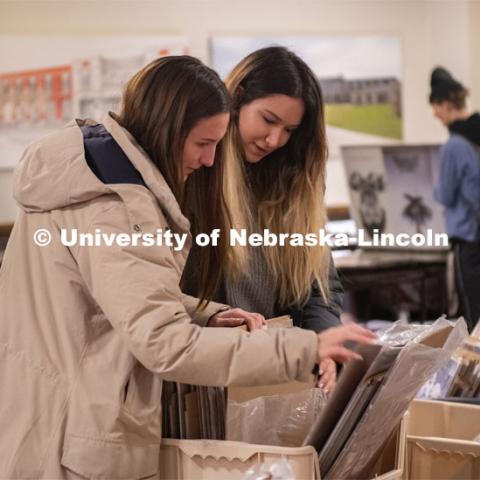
(377, 119)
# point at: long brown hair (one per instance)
(161, 104)
(286, 188)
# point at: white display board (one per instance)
(391, 188)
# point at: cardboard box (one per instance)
(440, 441)
(219, 460)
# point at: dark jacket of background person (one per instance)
(458, 188)
(459, 191)
(315, 314)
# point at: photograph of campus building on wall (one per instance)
(360, 79)
(85, 82)
(365, 91)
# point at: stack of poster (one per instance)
(460, 377)
(372, 396)
(199, 412)
(193, 412)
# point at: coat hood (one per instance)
(469, 128)
(53, 172)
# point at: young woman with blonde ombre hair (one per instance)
(275, 154)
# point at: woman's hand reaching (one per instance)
(235, 317)
(331, 342)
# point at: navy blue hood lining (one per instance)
(106, 159)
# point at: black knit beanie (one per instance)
(443, 84)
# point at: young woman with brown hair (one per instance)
(89, 333)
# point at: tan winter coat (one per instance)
(87, 334)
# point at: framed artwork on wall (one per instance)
(360, 76)
(391, 188)
(45, 81)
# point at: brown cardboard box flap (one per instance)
(437, 419)
(449, 446)
(228, 450)
(218, 460)
(244, 394)
(440, 441)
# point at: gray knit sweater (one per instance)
(257, 291)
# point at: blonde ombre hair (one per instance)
(284, 192)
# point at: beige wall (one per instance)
(475, 53)
(432, 32)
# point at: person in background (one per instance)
(458, 188)
(89, 333)
(275, 152)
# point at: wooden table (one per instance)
(408, 280)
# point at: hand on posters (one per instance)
(235, 317)
(331, 342)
